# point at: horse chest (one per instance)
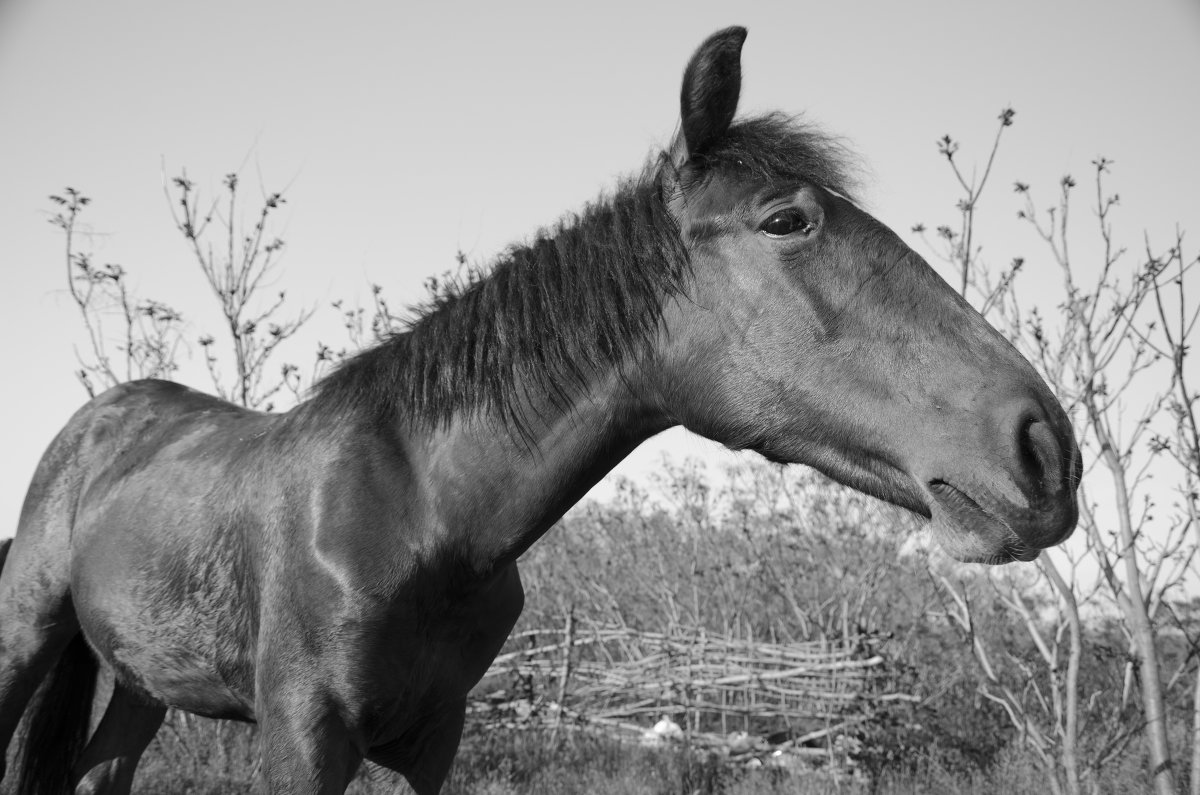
(432, 656)
(460, 640)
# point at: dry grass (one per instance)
(197, 760)
(201, 759)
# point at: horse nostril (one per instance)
(1041, 454)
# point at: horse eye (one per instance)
(786, 222)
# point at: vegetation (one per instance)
(1076, 674)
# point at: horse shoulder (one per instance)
(369, 516)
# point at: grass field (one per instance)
(209, 758)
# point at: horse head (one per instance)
(810, 333)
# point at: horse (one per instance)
(343, 573)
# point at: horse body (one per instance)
(215, 550)
(170, 609)
(216, 554)
(344, 573)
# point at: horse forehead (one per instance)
(722, 194)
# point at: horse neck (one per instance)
(499, 490)
(520, 390)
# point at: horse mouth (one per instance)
(970, 532)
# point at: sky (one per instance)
(403, 132)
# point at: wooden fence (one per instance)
(735, 696)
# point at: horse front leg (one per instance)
(424, 754)
(306, 748)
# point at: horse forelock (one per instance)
(582, 297)
(775, 148)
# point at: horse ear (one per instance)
(711, 85)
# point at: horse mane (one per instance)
(583, 296)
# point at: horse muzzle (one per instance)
(1017, 500)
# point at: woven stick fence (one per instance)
(733, 695)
